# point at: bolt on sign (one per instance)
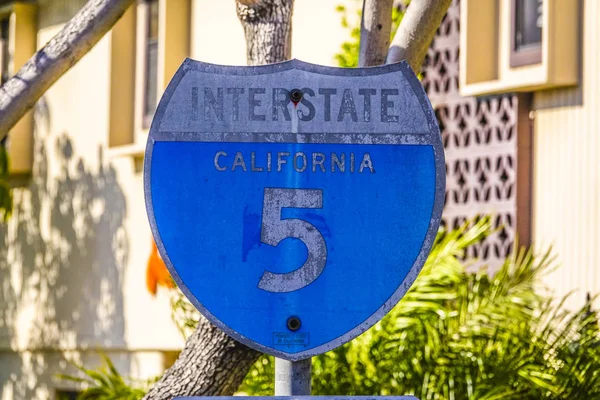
(294, 204)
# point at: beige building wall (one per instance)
(566, 176)
(76, 247)
(73, 256)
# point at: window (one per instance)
(526, 32)
(151, 62)
(518, 45)
(149, 43)
(4, 52)
(18, 39)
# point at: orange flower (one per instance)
(157, 273)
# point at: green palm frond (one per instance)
(466, 335)
(106, 383)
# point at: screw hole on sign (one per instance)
(296, 95)
(293, 323)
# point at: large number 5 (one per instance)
(274, 230)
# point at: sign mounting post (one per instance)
(292, 378)
(294, 204)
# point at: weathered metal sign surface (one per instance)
(294, 220)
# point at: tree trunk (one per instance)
(212, 363)
(75, 39)
(268, 30)
(416, 31)
(375, 30)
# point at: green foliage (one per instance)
(5, 191)
(462, 335)
(348, 55)
(106, 383)
(183, 313)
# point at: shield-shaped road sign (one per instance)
(294, 204)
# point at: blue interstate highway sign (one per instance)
(294, 204)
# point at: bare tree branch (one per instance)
(375, 30)
(418, 27)
(47, 65)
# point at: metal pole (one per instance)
(292, 378)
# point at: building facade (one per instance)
(546, 51)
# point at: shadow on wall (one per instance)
(62, 260)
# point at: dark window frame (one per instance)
(149, 42)
(4, 48)
(529, 55)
